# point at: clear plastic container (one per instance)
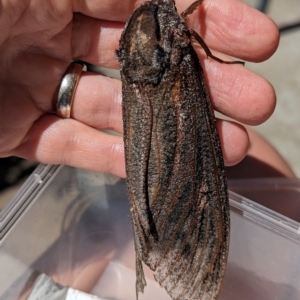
(278, 194)
(74, 226)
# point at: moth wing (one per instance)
(187, 190)
(137, 123)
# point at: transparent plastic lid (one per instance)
(74, 226)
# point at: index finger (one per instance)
(234, 28)
(228, 26)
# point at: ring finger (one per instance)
(97, 102)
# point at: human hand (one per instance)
(39, 39)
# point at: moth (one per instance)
(175, 172)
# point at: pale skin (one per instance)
(40, 38)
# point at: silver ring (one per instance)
(67, 89)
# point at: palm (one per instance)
(35, 52)
(40, 38)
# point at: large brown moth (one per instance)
(175, 172)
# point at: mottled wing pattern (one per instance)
(175, 173)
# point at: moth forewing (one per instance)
(175, 172)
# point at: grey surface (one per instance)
(283, 71)
(77, 229)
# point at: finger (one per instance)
(96, 41)
(227, 26)
(66, 141)
(112, 10)
(98, 102)
(239, 93)
(234, 141)
(84, 147)
(94, 108)
(234, 28)
(235, 92)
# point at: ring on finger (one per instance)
(67, 89)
